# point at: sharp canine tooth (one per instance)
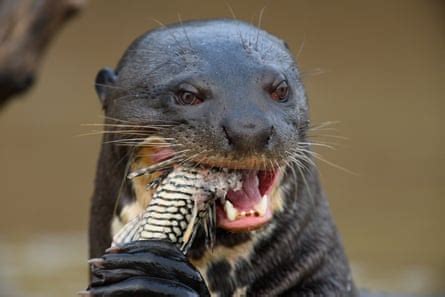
(261, 207)
(231, 211)
(243, 214)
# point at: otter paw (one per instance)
(144, 268)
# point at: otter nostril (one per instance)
(269, 137)
(227, 135)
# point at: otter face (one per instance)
(220, 93)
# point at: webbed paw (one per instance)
(145, 268)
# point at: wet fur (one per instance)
(299, 253)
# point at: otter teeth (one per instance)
(258, 210)
(261, 207)
(231, 211)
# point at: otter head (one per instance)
(221, 93)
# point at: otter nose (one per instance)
(247, 135)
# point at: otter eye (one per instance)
(281, 92)
(188, 98)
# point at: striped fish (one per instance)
(183, 199)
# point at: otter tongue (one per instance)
(249, 194)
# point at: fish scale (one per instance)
(182, 200)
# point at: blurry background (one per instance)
(383, 80)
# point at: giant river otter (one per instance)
(225, 94)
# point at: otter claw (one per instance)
(84, 293)
(113, 250)
(97, 262)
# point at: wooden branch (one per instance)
(26, 28)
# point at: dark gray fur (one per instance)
(231, 63)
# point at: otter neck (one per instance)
(293, 241)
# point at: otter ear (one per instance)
(104, 79)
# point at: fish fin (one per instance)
(206, 230)
(212, 225)
(188, 234)
(153, 168)
(128, 232)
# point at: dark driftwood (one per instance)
(26, 28)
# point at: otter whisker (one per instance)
(313, 72)
(278, 165)
(176, 153)
(308, 189)
(158, 22)
(300, 49)
(138, 140)
(290, 165)
(132, 96)
(307, 161)
(323, 125)
(129, 154)
(158, 145)
(128, 125)
(263, 163)
(142, 141)
(121, 159)
(125, 132)
(260, 17)
(230, 8)
(323, 141)
(138, 123)
(193, 156)
(329, 135)
(105, 117)
(321, 128)
(152, 168)
(95, 133)
(201, 159)
(300, 153)
(320, 158)
(271, 163)
(317, 144)
(299, 163)
(274, 165)
(111, 87)
(137, 144)
(185, 32)
(178, 43)
(301, 167)
(121, 131)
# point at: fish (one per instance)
(184, 198)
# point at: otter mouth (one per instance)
(246, 208)
(249, 207)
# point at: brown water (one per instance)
(384, 81)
